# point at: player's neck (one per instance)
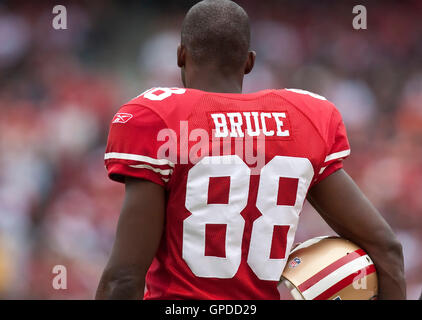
(214, 82)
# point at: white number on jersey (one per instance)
(259, 260)
(158, 94)
(317, 96)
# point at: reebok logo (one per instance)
(122, 117)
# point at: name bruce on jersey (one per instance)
(243, 132)
(253, 124)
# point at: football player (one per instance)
(215, 179)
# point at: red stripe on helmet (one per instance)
(330, 268)
(345, 282)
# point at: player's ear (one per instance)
(250, 62)
(181, 55)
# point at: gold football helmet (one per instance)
(329, 268)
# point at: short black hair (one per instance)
(217, 32)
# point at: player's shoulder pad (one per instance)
(163, 101)
(320, 111)
(157, 95)
(304, 95)
(305, 92)
(133, 115)
(313, 103)
(152, 103)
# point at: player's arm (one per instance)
(348, 212)
(137, 238)
(132, 158)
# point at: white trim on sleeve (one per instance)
(137, 157)
(337, 155)
(322, 170)
(165, 172)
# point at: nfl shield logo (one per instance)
(295, 262)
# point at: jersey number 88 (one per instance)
(203, 213)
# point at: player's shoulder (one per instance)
(159, 93)
(321, 113)
(145, 107)
(161, 97)
(166, 102)
(304, 98)
(315, 106)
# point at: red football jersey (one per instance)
(236, 169)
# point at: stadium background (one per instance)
(60, 88)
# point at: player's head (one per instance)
(216, 36)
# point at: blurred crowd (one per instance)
(60, 88)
